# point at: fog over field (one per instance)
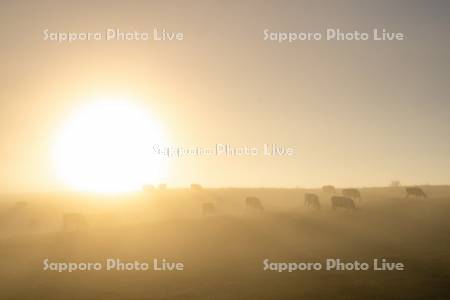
(214, 149)
(223, 252)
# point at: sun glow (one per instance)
(107, 146)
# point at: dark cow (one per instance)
(415, 191)
(208, 208)
(329, 189)
(74, 222)
(312, 200)
(254, 203)
(352, 193)
(342, 202)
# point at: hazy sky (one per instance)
(358, 113)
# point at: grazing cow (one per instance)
(415, 191)
(342, 202)
(74, 222)
(254, 203)
(329, 189)
(208, 208)
(352, 193)
(311, 200)
(162, 186)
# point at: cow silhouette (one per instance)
(254, 204)
(352, 193)
(312, 200)
(74, 222)
(208, 208)
(415, 191)
(342, 202)
(329, 189)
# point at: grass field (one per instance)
(223, 253)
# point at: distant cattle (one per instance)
(415, 191)
(329, 189)
(311, 200)
(74, 222)
(162, 186)
(208, 208)
(254, 203)
(342, 202)
(352, 193)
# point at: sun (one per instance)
(107, 146)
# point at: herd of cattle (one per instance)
(345, 201)
(77, 222)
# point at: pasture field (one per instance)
(223, 252)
